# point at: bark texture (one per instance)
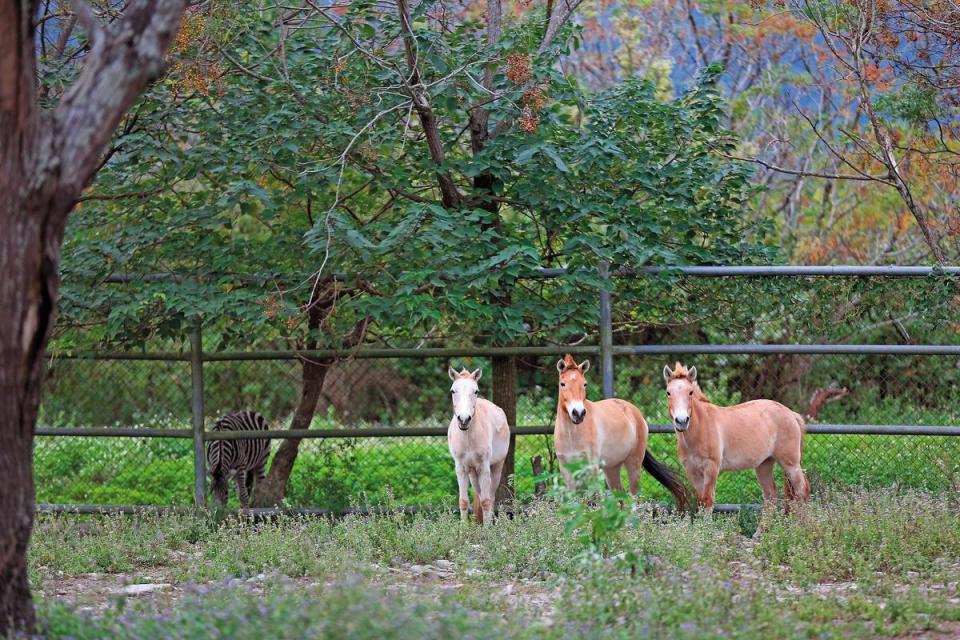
(46, 159)
(505, 396)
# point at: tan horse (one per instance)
(751, 435)
(478, 437)
(611, 431)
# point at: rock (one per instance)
(446, 565)
(140, 589)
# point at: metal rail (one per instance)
(891, 271)
(621, 350)
(112, 432)
(413, 432)
(747, 349)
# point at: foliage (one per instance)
(595, 515)
(238, 172)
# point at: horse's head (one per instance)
(681, 389)
(463, 393)
(573, 387)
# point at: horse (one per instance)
(478, 437)
(613, 432)
(750, 435)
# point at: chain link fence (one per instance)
(410, 394)
(882, 414)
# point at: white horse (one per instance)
(478, 437)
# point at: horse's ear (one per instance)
(476, 375)
(452, 373)
(693, 374)
(561, 365)
(667, 374)
(584, 366)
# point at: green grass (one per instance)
(337, 474)
(404, 471)
(860, 564)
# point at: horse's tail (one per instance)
(668, 478)
(801, 422)
(477, 510)
(790, 490)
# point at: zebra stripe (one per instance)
(243, 460)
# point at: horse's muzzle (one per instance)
(577, 418)
(464, 423)
(681, 425)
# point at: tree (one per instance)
(46, 158)
(917, 85)
(796, 101)
(321, 138)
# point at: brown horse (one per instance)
(613, 432)
(751, 435)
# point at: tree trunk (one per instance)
(505, 396)
(274, 489)
(27, 291)
(46, 159)
(323, 301)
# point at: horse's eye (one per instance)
(452, 392)
(691, 393)
(563, 384)
(476, 393)
(668, 393)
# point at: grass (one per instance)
(858, 564)
(418, 470)
(337, 474)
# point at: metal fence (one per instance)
(125, 429)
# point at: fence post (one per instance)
(196, 376)
(606, 332)
(505, 396)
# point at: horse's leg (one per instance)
(463, 484)
(486, 494)
(564, 473)
(698, 478)
(769, 487)
(767, 484)
(710, 472)
(496, 472)
(634, 464)
(475, 483)
(613, 477)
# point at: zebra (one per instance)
(241, 460)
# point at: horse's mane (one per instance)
(680, 372)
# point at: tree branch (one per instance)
(806, 174)
(449, 193)
(88, 21)
(561, 12)
(116, 72)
